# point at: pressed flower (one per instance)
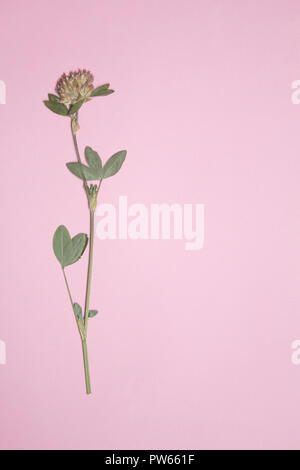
(72, 91)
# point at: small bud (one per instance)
(75, 124)
(92, 195)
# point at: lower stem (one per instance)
(83, 331)
(90, 268)
(87, 303)
(86, 367)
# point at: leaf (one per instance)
(61, 239)
(93, 159)
(80, 170)
(113, 164)
(92, 313)
(53, 97)
(56, 107)
(76, 106)
(105, 92)
(75, 248)
(68, 250)
(99, 90)
(78, 311)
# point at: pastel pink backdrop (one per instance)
(190, 350)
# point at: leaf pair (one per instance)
(68, 250)
(78, 312)
(94, 170)
(59, 108)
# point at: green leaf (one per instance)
(78, 311)
(53, 97)
(75, 248)
(92, 313)
(113, 164)
(80, 170)
(93, 159)
(76, 106)
(68, 250)
(105, 92)
(99, 90)
(61, 239)
(58, 108)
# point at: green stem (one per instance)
(89, 276)
(79, 159)
(86, 367)
(83, 339)
(88, 287)
(80, 325)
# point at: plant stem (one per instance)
(87, 302)
(80, 327)
(86, 367)
(90, 266)
(83, 339)
(79, 159)
(89, 277)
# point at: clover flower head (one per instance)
(75, 86)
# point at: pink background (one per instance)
(190, 349)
